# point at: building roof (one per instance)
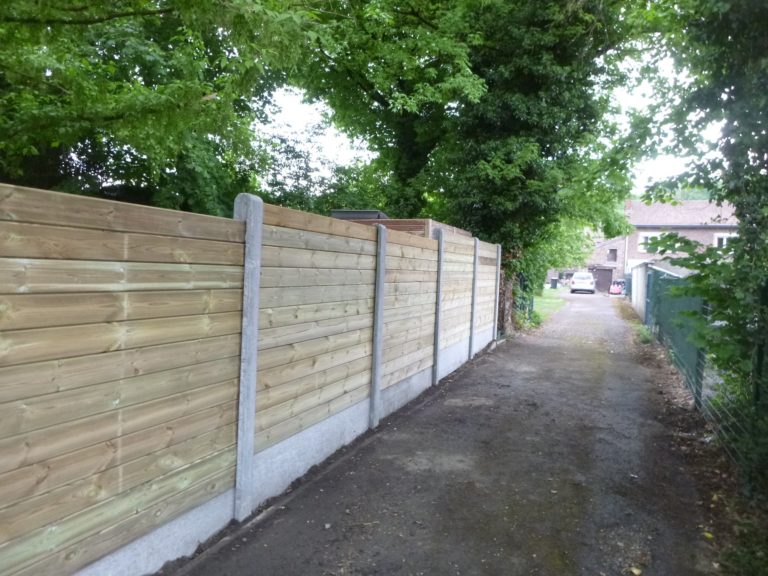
(667, 267)
(685, 214)
(610, 242)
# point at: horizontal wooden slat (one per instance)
(41, 411)
(396, 326)
(423, 353)
(457, 307)
(458, 269)
(306, 240)
(30, 549)
(288, 218)
(37, 344)
(487, 250)
(396, 376)
(43, 207)
(408, 312)
(20, 311)
(456, 299)
(21, 240)
(406, 239)
(53, 506)
(280, 297)
(397, 276)
(289, 315)
(272, 337)
(281, 412)
(416, 227)
(398, 337)
(459, 240)
(22, 276)
(297, 351)
(360, 368)
(448, 331)
(400, 350)
(285, 373)
(400, 301)
(50, 376)
(69, 559)
(455, 315)
(454, 339)
(403, 251)
(454, 328)
(403, 288)
(44, 476)
(460, 254)
(395, 263)
(272, 277)
(298, 258)
(454, 288)
(458, 328)
(288, 428)
(40, 445)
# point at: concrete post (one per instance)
(250, 209)
(473, 315)
(378, 326)
(438, 298)
(498, 296)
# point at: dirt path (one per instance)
(543, 457)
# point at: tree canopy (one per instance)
(143, 100)
(500, 125)
(720, 49)
(489, 114)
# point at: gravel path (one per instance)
(543, 457)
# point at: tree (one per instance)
(393, 72)
(491, 114)
(135, 98)
(720, 48)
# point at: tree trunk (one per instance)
(506, 304)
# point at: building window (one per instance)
(721, 240)
(612, 254)
(643, 239)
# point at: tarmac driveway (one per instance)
(544, 456)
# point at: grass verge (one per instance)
(546, 304)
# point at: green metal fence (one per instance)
(737, 413)
(668, 316)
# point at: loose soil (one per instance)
(572, 450)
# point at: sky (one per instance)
(295, 117)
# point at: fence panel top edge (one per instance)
(459, 240)
(36, 206)
(487, 248)
(407, 239)
(290, 218)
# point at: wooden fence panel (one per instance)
(120, 343)
(456, 298)
(119, 365)
(486, 287)
(315, 319)
(409, 319)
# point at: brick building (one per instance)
(698, 220)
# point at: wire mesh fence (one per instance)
(735, 409)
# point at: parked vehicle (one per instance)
(583, 282)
